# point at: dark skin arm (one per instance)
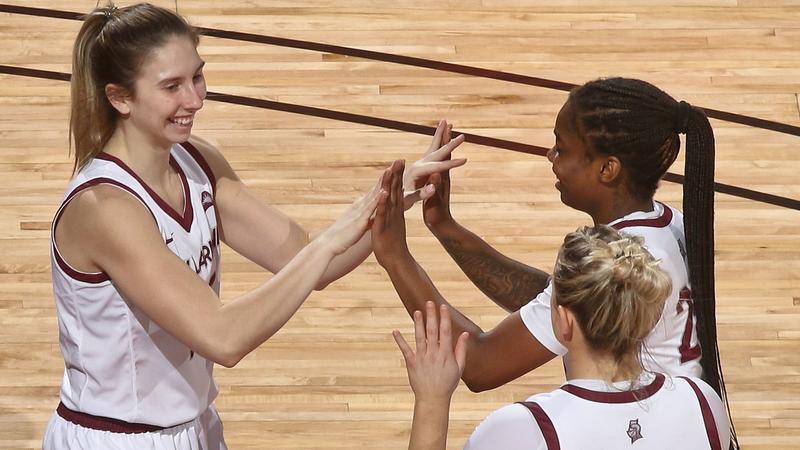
(494, 357)
(509, 283)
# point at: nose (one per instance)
(193, 100)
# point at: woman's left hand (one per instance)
(435, 368)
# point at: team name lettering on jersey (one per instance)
(206, 255)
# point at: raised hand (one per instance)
(437, 159)
(389, 226)
(436, 207)
(351, 226)
(435, 368)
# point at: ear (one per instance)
(566, 322)
(119, 97)
(610, 170)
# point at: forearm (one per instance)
(429, 426)
(509, 283)
(415, 288)
(344, 263)
(247, 321)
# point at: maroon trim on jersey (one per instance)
(104, 423)
(708, 416)
(185, 219)
(545, 425)
(93, 278)
(658, 222)
(201, 161)
(617, 397)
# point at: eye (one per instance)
(171, 87)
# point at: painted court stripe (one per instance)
(414, 128)
(411, 61)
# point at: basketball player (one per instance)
(614, 139)
(608, 292)
(136, 244)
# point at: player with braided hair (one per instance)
(614, 140)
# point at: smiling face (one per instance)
(169, 90)
(576, 167)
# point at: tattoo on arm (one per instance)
(507, 282)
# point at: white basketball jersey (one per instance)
(672, 347)
(667, 413)
(119, 363)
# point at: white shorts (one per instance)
(202, 433)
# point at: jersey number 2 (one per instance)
(688, 353)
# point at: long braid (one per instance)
(698, 223)
(640, 124)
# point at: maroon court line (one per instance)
(412, 61)
(414, 128)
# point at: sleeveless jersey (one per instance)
(672, 347)
(675, 413)
(119, 363)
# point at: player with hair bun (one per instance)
(608, 293)
(614, 140)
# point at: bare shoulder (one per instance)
(216, 160)
(106, 211)
(207, 147)
(98, 222)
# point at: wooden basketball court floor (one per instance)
(333, 378)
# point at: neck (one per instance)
(619, 206)
(583, 363)
(149, 160)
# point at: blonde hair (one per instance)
(614, 288)
(109, 49)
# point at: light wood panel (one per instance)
(332, 378)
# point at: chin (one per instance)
(565, 200)
(176, 138)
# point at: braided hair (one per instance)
(640, 125)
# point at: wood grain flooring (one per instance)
(333, 378)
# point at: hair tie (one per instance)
(682, 113)
(109, 11)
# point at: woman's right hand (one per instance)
(389, 226)
(351, 226)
